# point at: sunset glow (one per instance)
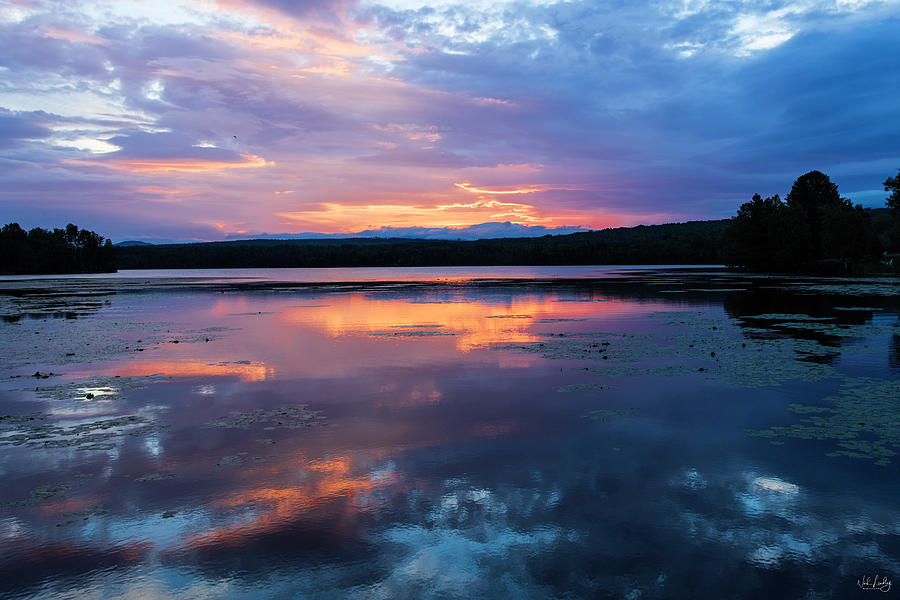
(385, 116)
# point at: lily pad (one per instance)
(863, 420)
(288, 417)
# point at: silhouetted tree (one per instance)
(748, 238)
(892, 185)
(847, 233)
(815, 224)
(68, 250)
(812, 193)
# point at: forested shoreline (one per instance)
(42, 251)
(697, 242)
(814, 230)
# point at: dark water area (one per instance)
(469, 433)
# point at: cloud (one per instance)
(17, 127)
(160, 153)
(626, 113)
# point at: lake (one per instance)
(547, 432)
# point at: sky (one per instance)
(222, 119)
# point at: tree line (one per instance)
(42, 251)
(697, 242)
(814, 229)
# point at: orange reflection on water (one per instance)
(249, 371)
(325, 480)
(470, 324)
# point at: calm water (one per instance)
(454, 433)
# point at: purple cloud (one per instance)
(620, 112)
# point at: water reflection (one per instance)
(471, 322)
(414, 442)
(244, 370)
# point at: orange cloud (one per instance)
(324, 52)
(229, 227)
(162, 191)
(358, 217)
(528, 189)
(520, 167)
(162, 166)
(69, 35)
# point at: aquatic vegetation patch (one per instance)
(604, 414)
(580, 387)
(80, 516)
(287, 417)
(873, 287)
(67, 341)
(105, 388)
(559, 320)
(40, 494)
(787, 317)
(155, 477)
(863, 420)
(630, 371)
(233, 460)
(410, 333)
(692, 344)
(17, 302)
(841, 330)
(236, 460)
(39, 431)
(60, 342)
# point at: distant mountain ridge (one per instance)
(693, 242)
(497, 229)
